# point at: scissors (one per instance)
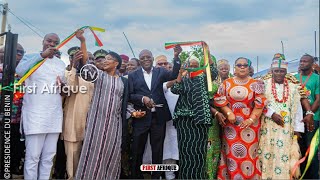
(158, 105)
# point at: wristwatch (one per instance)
(309, 112)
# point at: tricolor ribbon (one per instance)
(311, 152)
(65, 41)
(205, 48)
(188, 43)
(196, 73)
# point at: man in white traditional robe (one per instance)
(282, 124)
(42, 109)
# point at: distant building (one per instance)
(292, 68)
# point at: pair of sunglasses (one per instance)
(163, 64)
(242, 65)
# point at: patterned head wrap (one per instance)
(279, 61)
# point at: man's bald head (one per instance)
(146, 60)
(144, 52)
(51, 34)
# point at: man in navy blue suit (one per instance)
(146, 93)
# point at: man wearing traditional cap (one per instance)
(76, 107)
(123, 69)
(60, 158)
(282, 124)
(100, 54)
(71, 53)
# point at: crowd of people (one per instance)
(135, 113)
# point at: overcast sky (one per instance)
(231, 28)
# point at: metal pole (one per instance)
(9, 65)
(315, 45)
(4, 21)
(282, 48)
(257, 63)
(129, 44)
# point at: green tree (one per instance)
(196, 51)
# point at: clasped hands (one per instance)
(232, 119)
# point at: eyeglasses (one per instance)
(163, 64)
(20, 52)
(242, 65)
(110, 59)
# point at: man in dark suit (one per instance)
(146, 93)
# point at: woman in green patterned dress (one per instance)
(192, 119)
(214, 143)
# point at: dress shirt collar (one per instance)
(144, 71)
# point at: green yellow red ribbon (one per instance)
(311, 152)
(205, 48)
(188, 43)
(65, 41)
(196, 73)
(313, 148)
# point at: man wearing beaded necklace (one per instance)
(310, 81)
(279, 127)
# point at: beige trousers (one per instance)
(73, 150)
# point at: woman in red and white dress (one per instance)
(241, 99)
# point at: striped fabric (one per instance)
(100, 156)
(192, 143)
